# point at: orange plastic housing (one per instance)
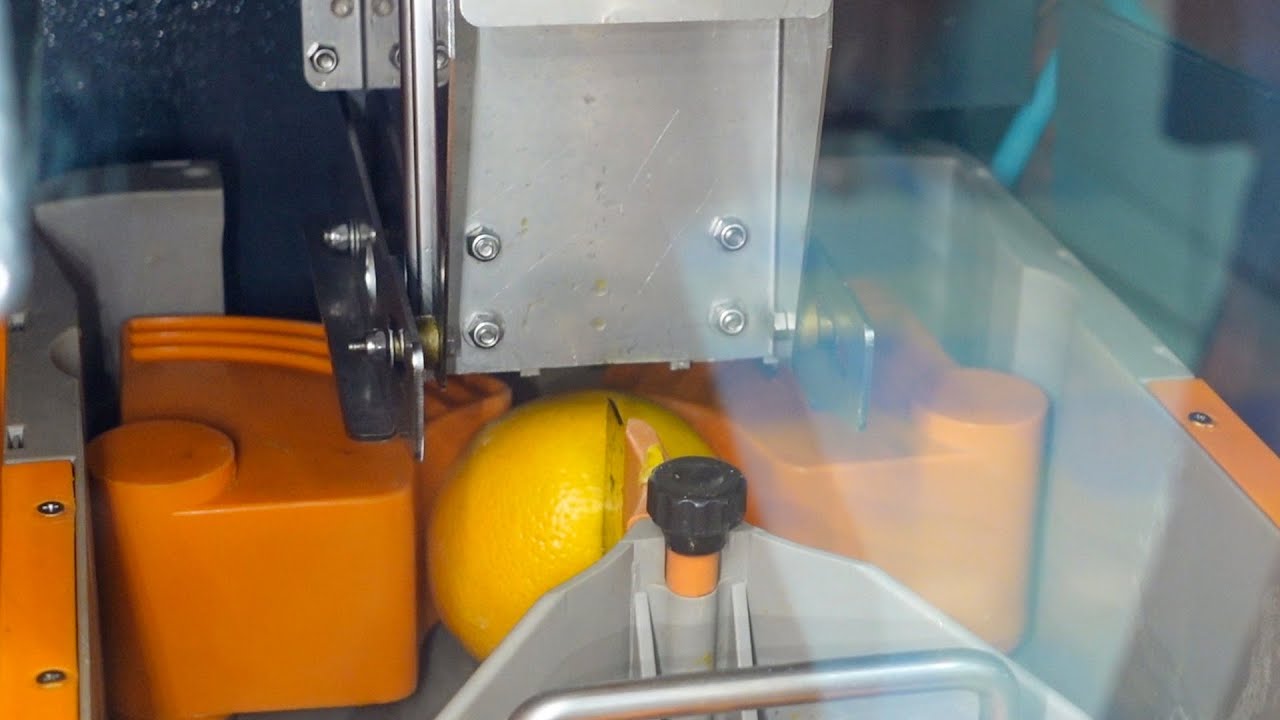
(251, 556)
(939, 490)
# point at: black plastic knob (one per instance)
(696, 501)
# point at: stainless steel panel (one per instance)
(382, 43)
(423, 257)
(359, 41)
(326, 27)
(508, 13)
(803, 87)
(602, 156)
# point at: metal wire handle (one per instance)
(780, 685)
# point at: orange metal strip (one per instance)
(1227, 439)
(38, 668)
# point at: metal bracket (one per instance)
(351, 44)
(833, 356)
(377, 354)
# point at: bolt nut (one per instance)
(729, 318)
(485, 330)
(342, 8)
(730, 232)
(324, 59)
(483, 244)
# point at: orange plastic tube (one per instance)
(692, 575)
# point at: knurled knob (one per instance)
(696, 501)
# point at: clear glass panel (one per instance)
(1014, 388)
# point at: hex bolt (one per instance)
(485, 330)
(342, 8)
(383, 8)
(50, 508)
(729, 318)
(731, 233)
(324, 59)
(49, 677)
(483, 244)
(1201, 419)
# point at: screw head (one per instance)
(383, 8)
(730, 232)
(324, 59)
(342, 8)
(48, 677)
(1201, 419)
(729, 318)
(395, 56)
(485, 331)
(50, 508)
(483, 244)
(442, 65)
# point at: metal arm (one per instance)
(781, 685)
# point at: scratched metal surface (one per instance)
(137, 80)
(603, 178)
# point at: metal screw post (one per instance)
(374, 343)
(391, 346)
(729, 318)
(730, 232)
(485, 331)
(483, 244)
(342, 8)
(324, 59)
(350, 237)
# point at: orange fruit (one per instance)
(524, 509)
